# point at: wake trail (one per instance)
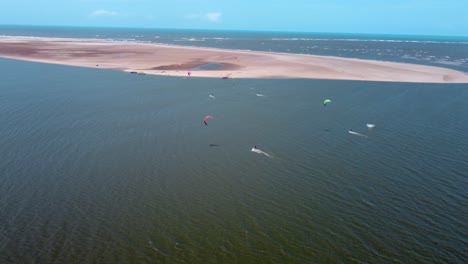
(256, 150)
(357, 134)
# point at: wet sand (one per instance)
(179, 60)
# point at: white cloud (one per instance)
(102, 12)
(212, 16)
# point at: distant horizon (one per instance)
(234, 30)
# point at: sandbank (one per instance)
(170, 60)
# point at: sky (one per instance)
(410, 17)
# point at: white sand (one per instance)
(178, 60)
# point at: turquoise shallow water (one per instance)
(208, 66)
(103, 166)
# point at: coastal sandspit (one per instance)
(158, 59)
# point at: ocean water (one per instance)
(102, 166)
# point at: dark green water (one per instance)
(108, 167)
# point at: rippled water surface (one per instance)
(103, 166)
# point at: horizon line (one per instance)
(240, 30)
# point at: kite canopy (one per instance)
(206, 118)
(326, 101)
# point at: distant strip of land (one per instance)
(169, 60)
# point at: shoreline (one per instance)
(175, 60)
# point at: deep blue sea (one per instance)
(102, 166)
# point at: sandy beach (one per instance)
(216, 63)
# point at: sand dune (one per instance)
(210, 62)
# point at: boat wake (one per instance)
(357, 134)
(256, 150)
